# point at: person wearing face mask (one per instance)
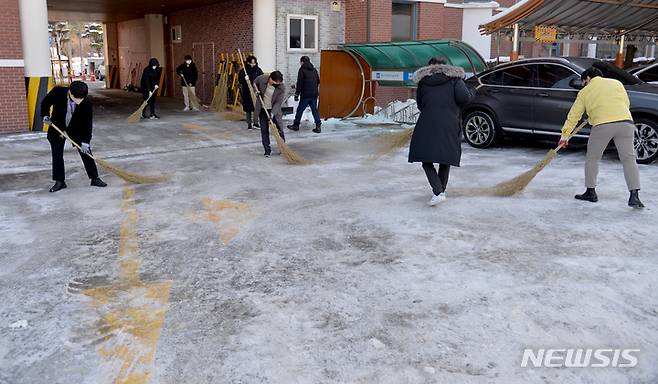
(150, 83)
(72, 113)
(269, 89)
(249, 73)
(188, 73)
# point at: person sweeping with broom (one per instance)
(607, 105)
(189, 76)
(269, 89)
(71, 112)
(150, 84)
(436, 138)
(249, 73)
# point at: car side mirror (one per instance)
(576, 84)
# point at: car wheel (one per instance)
(480, 129)
(646, 141)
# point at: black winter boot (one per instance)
(293, 127)
(58, 186)
(317, 128)
(634, 200)
(97, 182)
(589, 195)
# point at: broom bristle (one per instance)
(214, 104)
(230, 115)
(519, 183)
(129, 176)
(134, 118)
(194, 100)
(291, 156)
(392, 142)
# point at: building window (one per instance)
(404, 21)
(176, 35)
(302, 33)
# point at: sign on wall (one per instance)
(391, 76)
(545, 34)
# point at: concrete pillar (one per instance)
(591, 49)
(265, 33)
(36, 53)
(515, 43)
(154, 25)
(111, 40)
(619, 60)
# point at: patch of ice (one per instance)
(377, 344)
(429, 370)
(19, 324)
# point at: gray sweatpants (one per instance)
(623, 134)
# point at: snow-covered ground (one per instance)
(255, 271)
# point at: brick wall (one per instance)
(206, 32)
(356, 21)
(430, 23)
(452, 23)
(331, 32)
(13, 102)
(385, 95)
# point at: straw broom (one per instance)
(194, 100)
(392, 142)
(134, 118)
(291, 156)
(520, 182)
(125, 175)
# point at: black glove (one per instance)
(296, 97)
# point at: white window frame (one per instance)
(179, 31)
(303, 18)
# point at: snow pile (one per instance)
(306, 116)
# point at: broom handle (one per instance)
(66, 136)
(572, 134)
(251, 89)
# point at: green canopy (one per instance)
(388, 59)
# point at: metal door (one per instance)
(203, 55)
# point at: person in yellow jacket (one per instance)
(607, 105)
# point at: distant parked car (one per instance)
(532, 97)
(646, 73)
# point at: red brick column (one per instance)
(435, 21)
(13, 103)
(356, 21)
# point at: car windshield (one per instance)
(608, 69)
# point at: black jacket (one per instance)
(150, 78)
(247, 103)
(440, 95)
(308, 81)
(80, 127)
(190, 72)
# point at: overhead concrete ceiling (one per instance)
(116, 10)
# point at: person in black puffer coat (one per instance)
(252, 72)
(189, 76)
(440, 95)
(149, 84)
(306, 91)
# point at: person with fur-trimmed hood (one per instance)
(440, 95)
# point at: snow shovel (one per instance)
(125, 175)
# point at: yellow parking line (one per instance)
(131, 310)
